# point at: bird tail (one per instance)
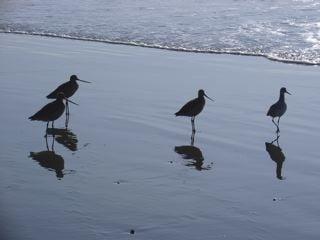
(32, 118)
(177, 114)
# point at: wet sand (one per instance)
(126, 161)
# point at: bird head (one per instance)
(201, 93)
(60, 96)
(283, 90)
(75, 78)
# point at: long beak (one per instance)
(83, 81)
(208, 97)
(288, 92)
(71, 102)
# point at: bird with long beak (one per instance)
(68, 88)
(52, 111)
(279, 108)
(193, 107)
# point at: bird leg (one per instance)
(192, 124)
(52, 125)
(47, 130)
(192, 138)
(276, 126)
(67, 114)
(276, 140)
(52, 146)
(46, 136)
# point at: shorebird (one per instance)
(68, 88)
(279, 108)
(193, 107)
(52, 111)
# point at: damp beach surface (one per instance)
(125, 168)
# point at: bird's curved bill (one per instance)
(83, 81)
(71, 102)
(288, 92)
(208, 97)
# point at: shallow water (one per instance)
(125, 172)
(287, 30)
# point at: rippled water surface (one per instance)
(287, 30)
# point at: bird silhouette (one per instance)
(193, 107)
(279, 108)
(67, 88)
(52, 111)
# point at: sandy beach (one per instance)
(130, 165)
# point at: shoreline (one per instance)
(134, 44)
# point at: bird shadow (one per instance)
(193, 155)
(65, 137)
(48, 159)
(276, 155)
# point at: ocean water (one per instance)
(287, 30)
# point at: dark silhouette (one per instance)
(279, 108)
(52, 111)
(192, 153)
(68, 88)
(64, 137)
(49, 159)
(193, 107)
(276, 155)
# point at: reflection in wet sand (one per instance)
(65, 137)
(50, 160)
(276, 155)
(193, 154)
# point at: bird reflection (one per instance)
(65, 137)
(49, 159)
(192, 154)
(276, 155)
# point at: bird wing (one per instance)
(272, 110)
(61, 88)
(186, 109)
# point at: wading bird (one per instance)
(52, 111)
(68, 88)
(279, 108)
(193, 107)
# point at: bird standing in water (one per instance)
(68, 88)
(193, 107)
(279, 108)
(52, 111)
